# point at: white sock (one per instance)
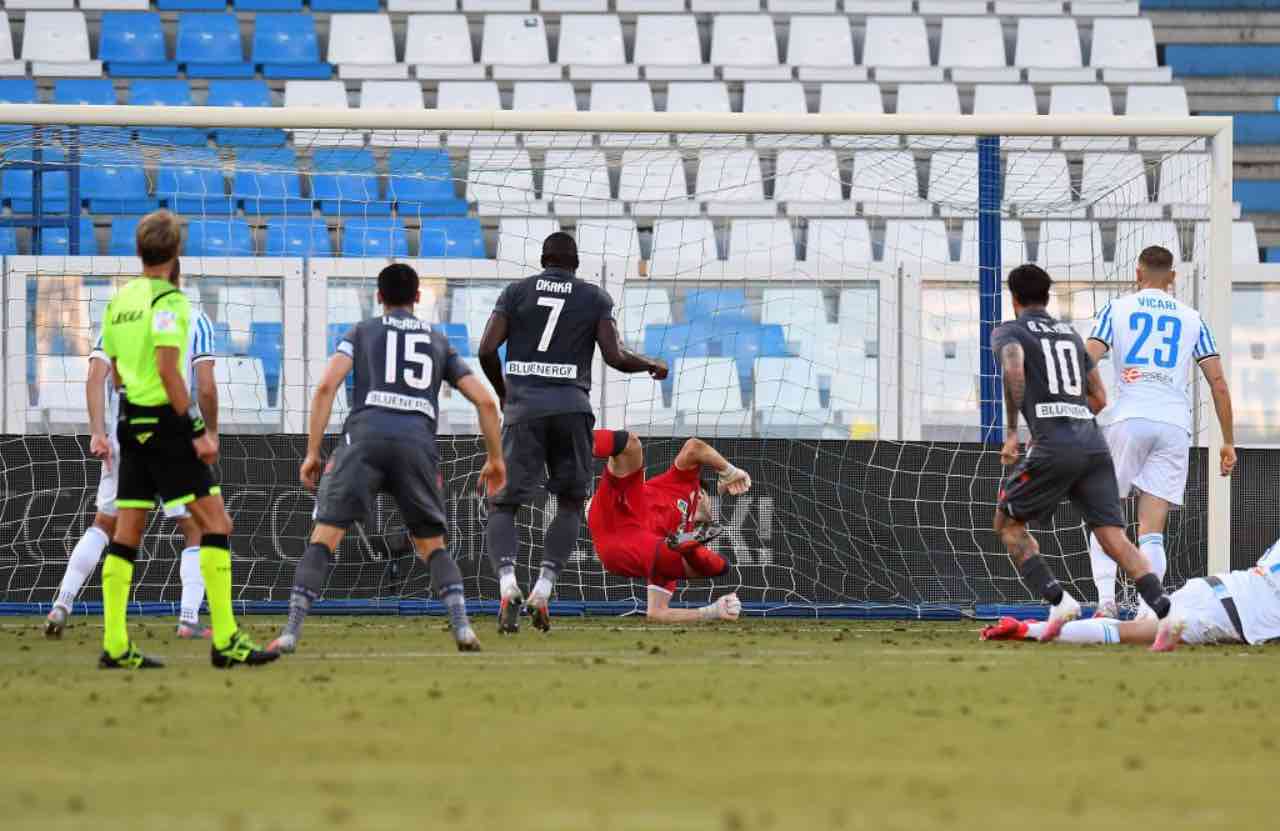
(1093, 630)
(84, 557)
(1104, 571)
(542, 588)
(1153, 546)
(507, 585)
(192, 586)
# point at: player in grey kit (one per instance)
(1050, 378)
(389, 444)
(551, 323)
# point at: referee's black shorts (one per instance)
(157, 459)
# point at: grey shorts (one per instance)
(555, 449)
(406, 471)
(1042, 479)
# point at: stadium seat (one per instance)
(653, 182)
(680, 340)
(787, 396)
(801, 312)
(761, 249)
(297, 237)
(267, 5)
(920, 246)
(641, 307)
(642, 407)
(898, 49)
(55, 241)
(1244, 244)
(1132, 237)
(123, 236)
(885, 183)
(730, 305)
(1013, 244)
(8, 66)
(577, 183)
(374, 238)
(209, 46)
(731, 184)
(833, 244)
(520, 242)
(469, 96)
(1071, 249)
(683, 248)
(345, 5)
(1039, 184)
(229, 237)
(574, 5)
(1152, 100)
(345, 181)
(807, 183)
(115, 182)
(15, 184)
(325, 94)
(420, 182)
(244, 393)
(501, 182)
(345, 310)
(9, 241)
(1085, 99)
(472, 307)
(191, 5)
(267, 183)
(1115, 186)
(548, 97)
(1010, 99)
(166, 93)
(225, 93)
(708, 396)
(745, 341)
(614, 241)
(1125, 50)
(285, 46)
(821, 48)
(454, 237)
(17, 91)
(668, 48)
(396, 95)
(131, 44)
(439, 47)
(59, 381)
(361, 46)
(854, 98)
(192, 183)
(929, 99)
(56, 44)
(746, 48)
(591, 46)
(702, 97)
(1184, 185)
(497, 5)
(973, 47)
(1049, 49)
(625, 97)
(782, 98)
(515, 45)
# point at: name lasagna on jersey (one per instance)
(1154, 340)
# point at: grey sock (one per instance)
(562, 536)
(447, 581)
(504, 544)
(308, 581)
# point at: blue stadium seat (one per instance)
(458, 337)
(274, 187)
(9, 241)
(228, 93)
(461, 237)
(115, 182)
(268, 5)
(17, 91)
(15, 185)
(1272, 254)
(344, 180)
(703, 304)
(56, 241)
(266, 343)
(90, 91)
(1223, 60)
(230, 237)
(131, 44)
(222, 341)
(375, 238)
(298, 237)
(1257, 195)
(192, 183)
(209, 46)
(285, 46)
(344, 5)
(191, 5)
(123, 240)
(166, 93)
(745, 341)
(421, 183)
(679, 340)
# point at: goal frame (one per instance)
(1217, 130)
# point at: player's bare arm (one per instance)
(207, 398)
(1096, 348)
(175, 386)
(493, 475)
(1217, 380)
(658, 609)
(697, 453)
(1015, 390)
(1095, 391)
(618, 356)
(495, 334)
(335, 373)
(95, 396)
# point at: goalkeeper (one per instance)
(657, 529)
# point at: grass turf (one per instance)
(378, 723)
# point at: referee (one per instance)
(165, 451)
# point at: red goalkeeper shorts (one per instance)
(624, 543)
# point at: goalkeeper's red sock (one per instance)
(606, 443)
(705, 562)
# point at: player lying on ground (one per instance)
(165, 449)
(1154, 340)
(103, 401)
(1235, 607)
(1046, 370)
(389, 444)
(657, 529)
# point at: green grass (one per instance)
(377, 724)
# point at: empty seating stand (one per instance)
(361, 46)
(56, 44)
(438, 46)
(169, 92)
(132, 44)
(235, 93)
(285, 46)
(209, 46)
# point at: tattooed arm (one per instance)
(1015, 389)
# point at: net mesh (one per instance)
(817, 298)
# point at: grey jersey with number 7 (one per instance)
(1057, 368)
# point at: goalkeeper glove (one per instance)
(734, 480)
(725, 608)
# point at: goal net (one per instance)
(823, 298)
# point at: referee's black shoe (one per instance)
(131, 659)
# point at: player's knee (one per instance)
(429, 547)
(634, 447)
(105, 523)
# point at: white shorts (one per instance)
(1151, 456)
(1202, 612)
(106, 500)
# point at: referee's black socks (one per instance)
(1153, 594)
(1036, 576)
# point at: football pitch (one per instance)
(611, 724)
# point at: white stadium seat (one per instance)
(591, 46)
(625, 97)
(807, 183)
(1154, 100)
(361, 46)
(1013, 244)
(56, 44)
(684, 248)
(1125, 50)
(799, 311)
(653, 182)
(801, 7)
(761, 249)
(1184, 185)
(973, 47)
(325, 95)
(708, 396)
(1244, 244)
(1071, 249)
(724, 6)
(345, 305)
(642, 307)
(1010, 99)
(642, 407)
(1038, 185)
(1132, 237)
(614, 242)
(515, 45)
(1049, 48)
(833, 246)
(668, 48)
(787, 395)
(489, 6)
(548, 97)
(470, 96)
(953, 182)
(439, 48)
(500, 181)
(9, 66)
(730, 183)
(868, 7)
(786, 98)
(60, 381)
(418, 6)
(854, 98)
(955, 8)
(577, 182)
(822, 48)
(575, 6)
(746, 48)
(920, 246)
(1104, 8)
(929, 99)
(395, 95)
(1084, 99)
(701, 97)
(885, 182)
(1115, 186)
(898, 49)
(243, 399)
(472, 307)
(520, 241)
